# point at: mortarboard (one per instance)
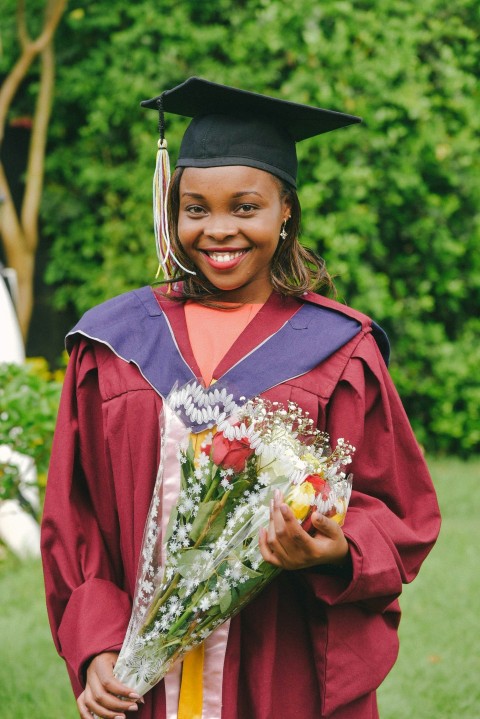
(232, 127)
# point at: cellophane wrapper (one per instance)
(200, 561)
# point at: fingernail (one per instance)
(120, 716)
(133, 708)
(134, 695)
(284, 509)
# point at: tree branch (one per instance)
(22, 25)
(12, 83)
(10, 228)
(55, 10)
(30, 51)
(36, 156)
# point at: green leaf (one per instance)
(189, 558)
(171, 523)
(204, 513)
(239, 487)
(225, 602)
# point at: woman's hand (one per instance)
(285, 544)
(102, 691)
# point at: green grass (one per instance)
(438, 669)
(436, 676)
(33, 679)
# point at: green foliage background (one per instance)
(392, 205)
(29, 397)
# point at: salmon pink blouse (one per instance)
(213, 330)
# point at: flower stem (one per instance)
(212, 488)
(212, 518)
(152, 614)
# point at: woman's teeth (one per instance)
(225, 256)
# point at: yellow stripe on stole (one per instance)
(190, 702)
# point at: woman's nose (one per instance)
(220, 227)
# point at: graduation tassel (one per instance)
(161, 183)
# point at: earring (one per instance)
(284, 233)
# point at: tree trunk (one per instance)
(20, 235)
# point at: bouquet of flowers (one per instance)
(201, 563)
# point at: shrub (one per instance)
(29, 397)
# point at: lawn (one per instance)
(436, 676)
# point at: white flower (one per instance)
(264, 478)
(204, 604)
(203, 460)
(221, 544)
(237, 570)
(207, 440)
(188, 504)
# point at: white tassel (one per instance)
(161, 183)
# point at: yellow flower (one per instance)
(300, 499)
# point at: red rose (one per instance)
(319, 484)
(206, 449)
(230, 453)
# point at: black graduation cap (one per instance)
(236, 127)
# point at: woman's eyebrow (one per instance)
(246, 192)
(196, 195)
(236, 195)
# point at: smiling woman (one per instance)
(237, 306)
(294, 269)
(229, 235)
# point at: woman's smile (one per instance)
(229, 225)
(224, 259)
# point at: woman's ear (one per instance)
(286, 208)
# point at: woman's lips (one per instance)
(225, 259)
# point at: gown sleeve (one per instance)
(88, 610)
(393, 518)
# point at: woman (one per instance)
(321, 638)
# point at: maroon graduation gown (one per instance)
(316, 643)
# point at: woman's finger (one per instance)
(95, 708)
(82, 707)
(102, 667)
(104, 695)
(325, 525)
(277, 533)
(331, 543)
(265, 550)
(96, 696)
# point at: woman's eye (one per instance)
(247, 208)
(195, 209)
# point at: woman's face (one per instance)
(229, 225)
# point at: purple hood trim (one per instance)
(136, 329)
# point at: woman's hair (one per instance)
(295, 269)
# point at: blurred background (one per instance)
(392, 205)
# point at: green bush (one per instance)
(29, 397)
